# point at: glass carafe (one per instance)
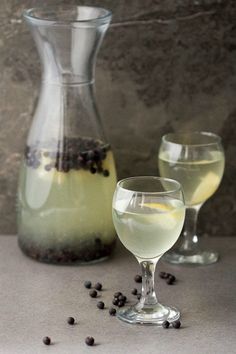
(68, 175)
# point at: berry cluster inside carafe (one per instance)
(65, 198)
(69, 154)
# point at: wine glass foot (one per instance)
(152, 315)
(191, 258)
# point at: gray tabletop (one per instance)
(36, 299)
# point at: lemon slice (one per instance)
(166, 216)
(206, 188)
(164, 221)
(159, 206)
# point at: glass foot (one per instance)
(152, 315)
(194, 258)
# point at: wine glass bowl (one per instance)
(197, 161)
(148, 214)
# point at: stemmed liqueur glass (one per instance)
(197, 161)
(148, 214)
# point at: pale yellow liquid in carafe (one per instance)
(58, 208)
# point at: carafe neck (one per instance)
(67, 49)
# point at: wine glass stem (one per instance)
(148, 288)
(190, 239)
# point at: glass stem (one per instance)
(190, 239)
(148, 290)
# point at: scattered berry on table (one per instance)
(115, 301)
(89, 341)
(117, 294)
(93, 293)
(122, 298)
(176, 324)
(170, 281)
(138, 278)
(70, 320)
(172, 277)
(47, 340)
(87, 284)
(98, 286)
(112, 311)
(100, 305)
(163, 275)
(166, 324)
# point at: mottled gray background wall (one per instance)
(164, 65)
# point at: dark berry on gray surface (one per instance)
(134, 291)
(122, 298)
(100, 305)
(93, 293)
(139, 296)
(138, 278)
(89, 341)
(170, 281)
(112, 311)
(117, 294)
(47, 340)
(163, 275)
(87, 284)
(176, 324)
(172, 277)
(98, 286)
(70, 320)
(166, 324)
(120, 304)
(115, 302)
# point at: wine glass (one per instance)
(148, 214)
(197, 161)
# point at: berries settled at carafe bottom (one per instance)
(64, 201)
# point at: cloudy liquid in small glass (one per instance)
(199, 178)
(148, 229)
